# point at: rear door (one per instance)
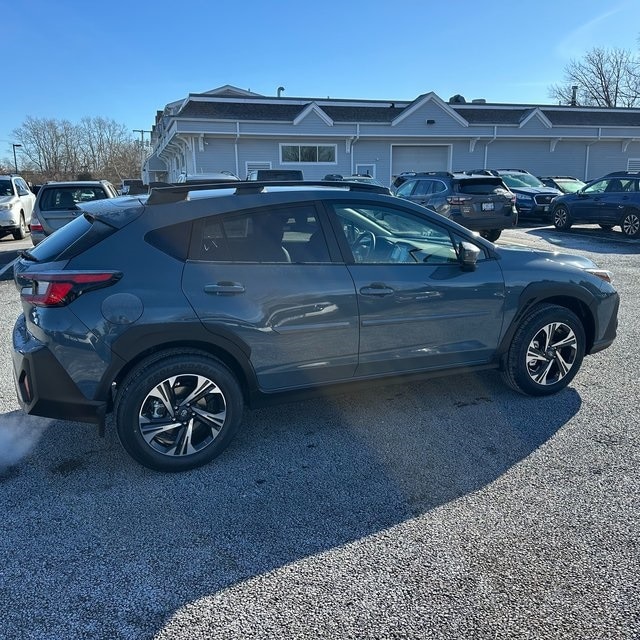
(266, 277)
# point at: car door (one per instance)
(266, 278)
(618, 195)
(588, 204)
(418, 308)
(418, 191)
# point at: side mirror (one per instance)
(468, 255)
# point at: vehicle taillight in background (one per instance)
(59, 288)
(35, 224)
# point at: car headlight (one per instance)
(521, 197)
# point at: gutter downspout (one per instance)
(353, 141)
(586, 155)
(486, 146)
(235, 144)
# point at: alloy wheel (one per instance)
(182, 415)
(551, 353)
(631, 225)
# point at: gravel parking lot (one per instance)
(451, 508)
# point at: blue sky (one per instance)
(126, 60)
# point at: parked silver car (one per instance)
(16, 205)
(57, 204)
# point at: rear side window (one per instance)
(481, 186)
(287, 234)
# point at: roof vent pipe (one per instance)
(280, 90)
(574, 95)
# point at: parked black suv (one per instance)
(533, 198)
(613, 200)
(175, 310)
(479, 202)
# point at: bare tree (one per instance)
(60, 150)
(604, 78)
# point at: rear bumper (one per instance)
(43, 387)
(485, 223)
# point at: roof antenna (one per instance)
(280, 90)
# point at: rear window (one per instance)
(68, 241)
(481, 186)
(53, 198)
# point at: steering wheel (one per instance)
(363, 246)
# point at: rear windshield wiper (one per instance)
(27, 255)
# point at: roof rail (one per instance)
(178, 193)
(622, 173)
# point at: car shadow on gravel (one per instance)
(126, 547)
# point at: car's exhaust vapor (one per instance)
(19, 433)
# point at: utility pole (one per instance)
(141, 132)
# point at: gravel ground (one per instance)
(452, 508)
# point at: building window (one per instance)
(308, 153)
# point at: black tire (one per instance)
(491, 234)
(562, 218)
(538, 369)
(630, 224)
(162, 392)
(21, 232)
(606, 227)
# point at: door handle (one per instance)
(377, 289)
(222, 288)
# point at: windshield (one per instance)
(6, 188)
(570, 186)
(519, 180)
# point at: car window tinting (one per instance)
(281, 235)
(481, 186)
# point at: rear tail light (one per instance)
(458, 199)
(59, 288)
(35, 224)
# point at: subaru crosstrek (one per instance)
(613, 200)
(176, 310)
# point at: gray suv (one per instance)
(481, 203)
(57, 203)
(175, 311)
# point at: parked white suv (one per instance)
(16, 206)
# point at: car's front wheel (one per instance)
(561, 218)
(178, 410)
(631, 224)
(546, 351)
(21, 232)
(491, 234)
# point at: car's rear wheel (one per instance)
(561, 218)
(21, 232)
(606, 227)
(491, 234)
(631, 224)
(178, 411)
(546, 351)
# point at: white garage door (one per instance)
(419, 158)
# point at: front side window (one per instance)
(280, 235)
(597, 187)
(308, 153)
(377, 234)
